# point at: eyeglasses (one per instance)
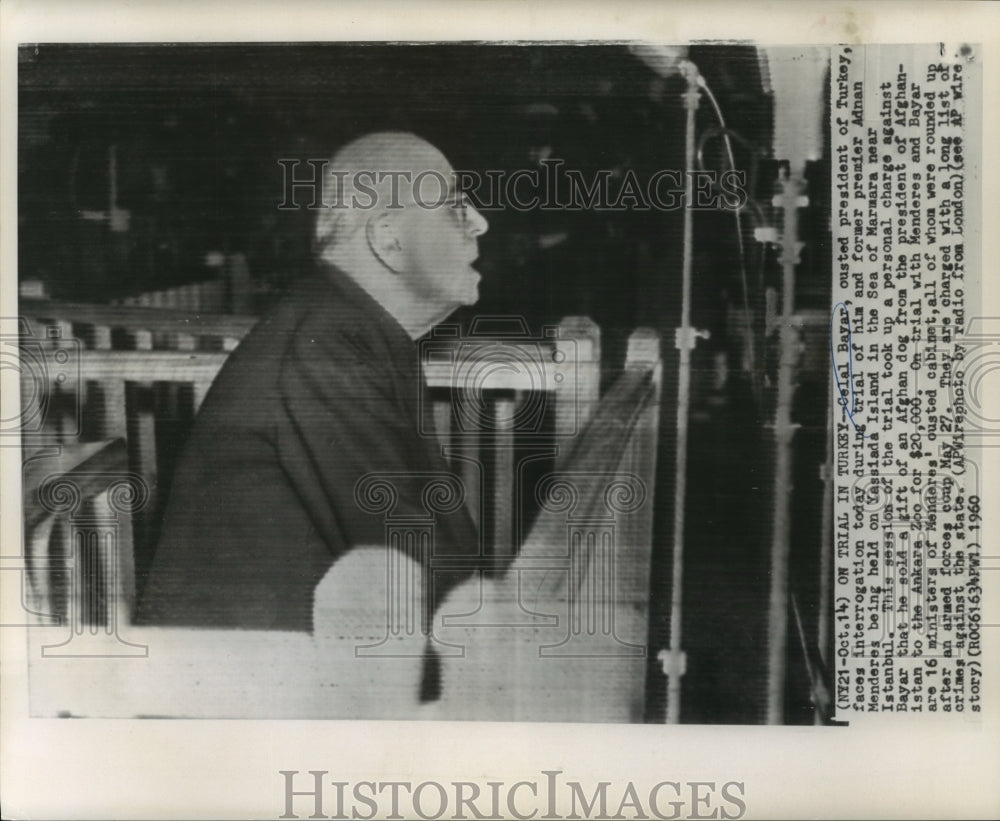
(462, 205)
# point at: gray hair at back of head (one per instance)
(381, 151)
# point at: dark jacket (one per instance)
(324, 390)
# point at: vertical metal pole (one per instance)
(790, 199)
(673, 658)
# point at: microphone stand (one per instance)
(673, 659)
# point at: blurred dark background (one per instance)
(191, 136)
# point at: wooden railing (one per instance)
(493, 399)
(110, 327)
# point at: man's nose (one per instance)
(475, 223)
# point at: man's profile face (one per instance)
(439, 235)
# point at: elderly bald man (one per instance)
(323, 391)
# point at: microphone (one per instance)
(666, 61)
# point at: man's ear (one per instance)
(382, 232)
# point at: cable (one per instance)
(756, 153)
(754, 376)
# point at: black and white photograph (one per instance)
(474, 386)
(472, 376)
